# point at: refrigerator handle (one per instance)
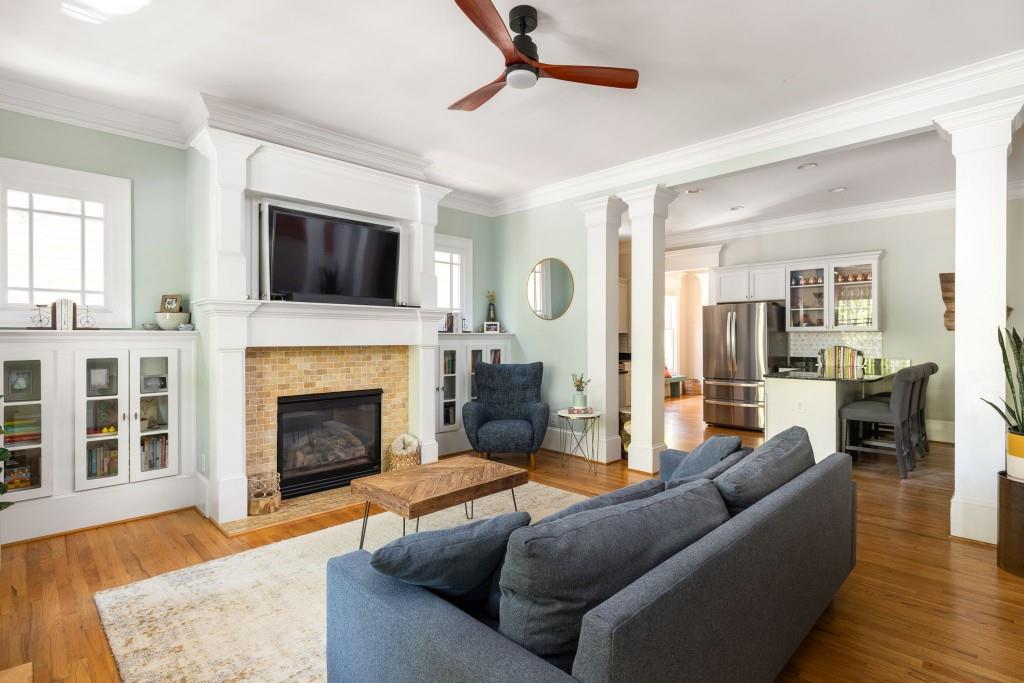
(732, 341)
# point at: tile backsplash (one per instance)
(809, 343)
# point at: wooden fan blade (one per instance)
(486, 18)
(608, 76)
(480, 95)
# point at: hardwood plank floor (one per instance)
(919, 606)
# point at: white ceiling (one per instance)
(386, 71)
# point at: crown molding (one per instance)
(470, 203)
(899, 110)
(235, 117)
(940, 201)
(78, 111)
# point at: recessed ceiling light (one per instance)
(840, 188)
(806, 165)
(695, 190)
(99, 11)
(738, 207)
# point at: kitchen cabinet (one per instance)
(750, 283)
(623, 306)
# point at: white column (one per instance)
(603, 218)
(648, 207)
(228, 215)
(981, 143)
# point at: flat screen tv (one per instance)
(326, 259)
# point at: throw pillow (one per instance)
(713, 471)
(454, 563)
(706, 455)
(644, 489)
(555, 572)
(776, 462)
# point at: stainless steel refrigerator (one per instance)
(742, 342)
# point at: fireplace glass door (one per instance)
(326, 440)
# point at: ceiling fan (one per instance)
(522, 67)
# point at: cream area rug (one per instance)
(260, 615)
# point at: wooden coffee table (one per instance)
(417, 491)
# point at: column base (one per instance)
(428, 451)
(228, 499)
(974, 520)
(645, 458)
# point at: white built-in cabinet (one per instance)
(456, 385)
(829, 293)
(100, 424)
(749, 283)
(126, 416)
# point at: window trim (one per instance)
(116, 196)
(464, 248)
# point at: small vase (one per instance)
(1015, 456)
(492, 313)
(579, 400)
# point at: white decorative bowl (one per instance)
(170, 321)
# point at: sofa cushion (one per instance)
(555, 572)
(644, 489)
(713, 471)
(706, 455)
(774, 463)
(505, 436)
(454, 563)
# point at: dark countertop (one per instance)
(828, 376)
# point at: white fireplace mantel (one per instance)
(239, 169)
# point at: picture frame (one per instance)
(170, 303)
(99, 380)
(21, 385)
(492, 328)
(154, 383)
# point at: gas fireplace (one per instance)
(326, 440)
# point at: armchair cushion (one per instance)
(454, 563)
(505, 436)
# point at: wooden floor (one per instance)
(919, 606)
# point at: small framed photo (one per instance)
(99, 381)
(492, 327)
(170, 303)
(154, 383)
(21, 385)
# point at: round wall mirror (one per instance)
(549, 288)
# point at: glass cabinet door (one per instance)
(475, 356)
(448, 417)
(101, 425)
(26, 473)
(854, 296)
(805, 298)
(154, 415)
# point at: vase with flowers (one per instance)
(579, 382)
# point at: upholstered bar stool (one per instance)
(920, 405)
(897, 413)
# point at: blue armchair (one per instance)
(507, 415)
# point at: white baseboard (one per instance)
(976, 520)
(940, 430)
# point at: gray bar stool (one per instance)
(897, 413)
(920, 405)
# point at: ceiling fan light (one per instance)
(521, 76)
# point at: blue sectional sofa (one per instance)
(731, 606)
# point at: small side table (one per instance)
(579, 433)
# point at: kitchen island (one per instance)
(812, 399)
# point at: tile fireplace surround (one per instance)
(271, 372)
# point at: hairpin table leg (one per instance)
(366, 515)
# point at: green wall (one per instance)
(161, 240)
(523, 239)
(486, 262)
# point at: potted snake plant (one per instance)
(1010, 537)
(1012, 411)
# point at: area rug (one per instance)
(260, 615)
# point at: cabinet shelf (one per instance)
(805, 286)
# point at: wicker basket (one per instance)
(403, 453)
(691, 387)
(264, 493)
